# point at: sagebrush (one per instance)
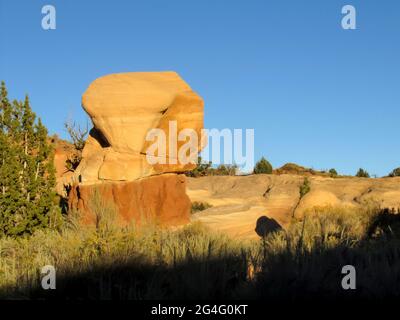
(106, 261)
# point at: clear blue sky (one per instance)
(315, 94)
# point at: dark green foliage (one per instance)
(201, 169)
(27, 174)
(205, 169)
(362, 173)
(199, 206)
(263, 166)
(333, 173)
(395, 173)
(304, 188)
(224, 170)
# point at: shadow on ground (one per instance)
(279, 276)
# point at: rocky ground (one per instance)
(124, 107)
(238, 201)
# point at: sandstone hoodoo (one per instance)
(124, 108)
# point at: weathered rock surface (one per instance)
(124, 108)
(239, 201)
(63, 151)
(160, 199)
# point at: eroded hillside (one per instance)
(238, 201)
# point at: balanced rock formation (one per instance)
(124, 108)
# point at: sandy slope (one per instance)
(239, 201)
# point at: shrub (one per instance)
(201, 170)
(395, 173)
(124, 263)
(195, 263)
(199, 206)
(304, 188)
(73, 161)
(77, 134)
(205, 169)
(78, 137)
(361, 173)
(333, 173)
(223, 170)
(263, 166)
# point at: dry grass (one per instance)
(108, 256)
(306, 261)
(108, 262)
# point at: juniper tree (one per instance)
(361, 173)
(395, 173)
(27, 174)
(263, 166)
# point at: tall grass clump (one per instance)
(105, 260)
(306, 262)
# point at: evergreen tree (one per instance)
(395, 173)
(27, 174)
(263, 166)
(333, 173)
(361, 173)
